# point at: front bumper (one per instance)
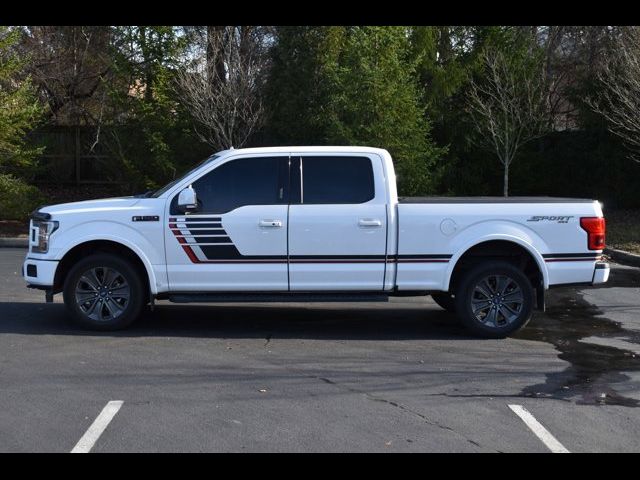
(40, 273)
(600, 273)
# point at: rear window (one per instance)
(334, 180)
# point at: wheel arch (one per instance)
(503, 247)
(82, 249)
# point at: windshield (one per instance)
(168, 186)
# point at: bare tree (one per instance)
(68, 65)
(220, 86)
(618, 100)
(571, 56)
(508, 106)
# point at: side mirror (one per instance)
(187, 200)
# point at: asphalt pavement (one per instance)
(364, 377)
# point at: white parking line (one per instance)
(536, 427)
(91, 436)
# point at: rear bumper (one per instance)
(40, 273)
(600, 273)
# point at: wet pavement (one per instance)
(397, 376)
(600, 343)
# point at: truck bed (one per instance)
(432, 230)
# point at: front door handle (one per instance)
(370, 222)
(271, 223)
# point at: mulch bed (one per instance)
(13, 228)
(623, 230)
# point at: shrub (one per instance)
(17, 199)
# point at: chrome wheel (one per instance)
(497, 301)
(102, 293)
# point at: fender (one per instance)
(124, 235)
(509, 231)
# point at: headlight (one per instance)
(40, 233)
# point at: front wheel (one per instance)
(494, 300)
(103, 292)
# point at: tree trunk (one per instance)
(445, 49)
(506, 180)
(148, 73)
(216, 43)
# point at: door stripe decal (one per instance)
(196, 232)
(206, 234)
(591, 259)
(571, 257)
(568, 255)
(283, 259)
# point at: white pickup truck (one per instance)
(311, 224)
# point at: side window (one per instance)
(335, 180)
(246, 181)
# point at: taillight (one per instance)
(595, 228)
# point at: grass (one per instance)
(623, 230)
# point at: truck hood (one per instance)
(87, 206)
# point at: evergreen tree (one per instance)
(297, 90)
(375, 101)
(20, 110)
(146, 127)
(353, 86)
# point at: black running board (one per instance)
(276, 297)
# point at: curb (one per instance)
(14, 242)
(623, 257)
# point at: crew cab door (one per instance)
(337, 222)
(236, 240)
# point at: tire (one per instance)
(445, 300)
(104, 292)
(501, 295)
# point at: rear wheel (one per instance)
(494, 300)
(445, 300)
(103, 292)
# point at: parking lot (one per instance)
(375, 377)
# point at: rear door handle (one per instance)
(370, 222)
(271, 223)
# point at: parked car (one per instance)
(312, 224)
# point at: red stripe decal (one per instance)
(190, 254)
(239, 260)
(594, 259)
(250, 260)
(178, 234)
(336, 261)
(421, 261)
(180, 239)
